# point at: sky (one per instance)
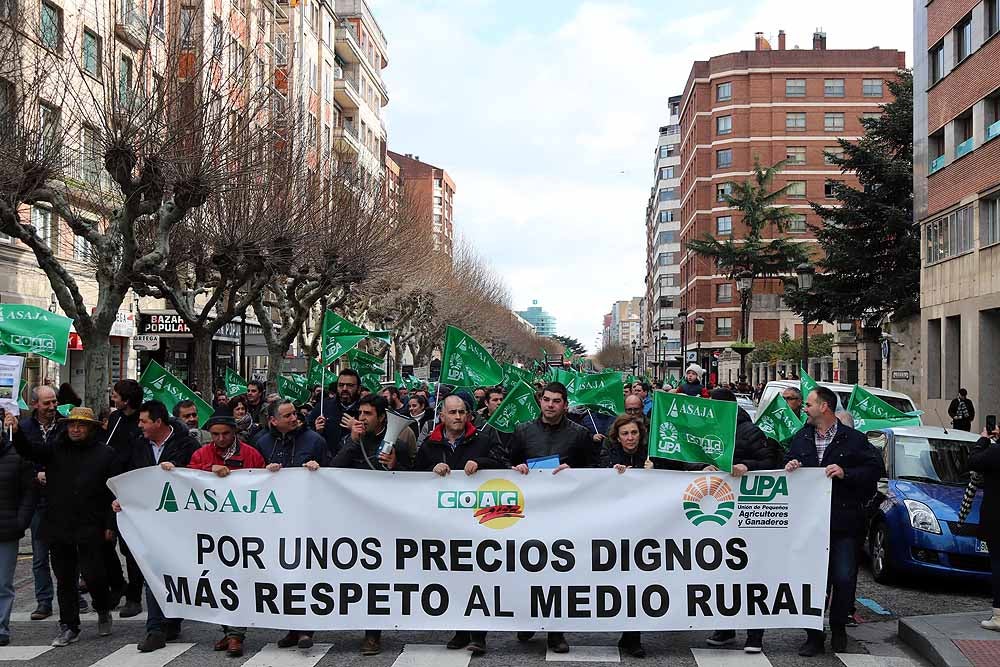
(546, 113)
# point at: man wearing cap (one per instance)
(78, 520)
(692, 382)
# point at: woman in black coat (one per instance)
(985, 459)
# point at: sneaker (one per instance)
(721, 638)
(154, 641)
(4, 641)
(305, 640)
(130, 609)
(755, 642)
(852, 621)
(371, 646)
(557, 642)
(41, 612)
(104, 624)
(459, 641)
(66, 637)
(289, 640)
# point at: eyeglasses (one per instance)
(633, 411)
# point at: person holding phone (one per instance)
(985, 459)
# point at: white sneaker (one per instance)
(66, 637)
(993, 623)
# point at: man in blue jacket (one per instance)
(855, 467)
(335, 414)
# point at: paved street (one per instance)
(873, 643)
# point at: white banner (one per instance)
(584, 550)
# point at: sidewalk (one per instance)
(952, 640)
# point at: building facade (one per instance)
(956, 187)
(662, 339)
(626, 322)
(766, 105)
(432, 192)
(536, 316)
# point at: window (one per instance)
(724, 225)
(795, 155)
(990, 221)
(797, 224)
(992, 18)
(666, 216)
(91, 54)
(81, 248)
(796, 189)
(668, 150)
(326, 82)
(91, 158)
(51, 26)
(949, 235)
(240, 6)
(724, 158)
(668, 193)
(871, 115)
(667, 172)
(833, 122)
(722, 191)
(963, 39)
(829, 189)
(724, 124)
(723, 326)
(187, 26)
(831, 152)
(724, 293)
(159, 11)
(437, 201)
(723, 92)
(124, 80)
(7, 101)
(936, 60)
(871, 87)
(43, 220)
(833, 88)
(48, 126)
(795, 87)
(216, 37)
(667, 237)
(795, 121)
(665, 259)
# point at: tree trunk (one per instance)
(275, 360)
(200, 364)
(95, 360)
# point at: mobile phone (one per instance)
(991, 423)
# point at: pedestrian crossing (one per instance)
(423, 655)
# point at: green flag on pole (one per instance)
(871, 413)
(20, 398)
(518, 406)
(28, 329)
(567, 353)
(693, 430)
(338, 337)
(806, 384)
(158, 383)
(399, 381)
(672, 381)
(466, 363)
(779, 422)
(360, 358)
(292, 387)
(372, 382)
(235, 385)
(513, 374)
(315, 375)
(598, 391)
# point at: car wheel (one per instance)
(882, 569)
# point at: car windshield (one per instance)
(934, 460)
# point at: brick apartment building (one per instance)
(429, 189)
(956, 186)
(769, 104)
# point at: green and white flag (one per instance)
(603, 392)
(235, 385)
(359, 359)
(315, 375)
(338, 337)
(693, 430)
(28, 329)
(567, 353)
(292, 387)
(513, 374)
(64, 409)
(672, 381)
(806, 384)
(159, 384)
(871, 413)
(466, 363)
(779, 422)
(518, 406)
(372, 382)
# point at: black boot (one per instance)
(813, 645)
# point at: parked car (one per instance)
(745, 401)
(913, 527)
(843, 392)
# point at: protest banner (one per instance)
(498, 550)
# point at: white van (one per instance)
(843, 391)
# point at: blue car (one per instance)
(913, 528)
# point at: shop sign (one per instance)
(146, 342)
(162, 323)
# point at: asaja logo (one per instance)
(209, 500)
(709, 499)
(496, 504)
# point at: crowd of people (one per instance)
(53, 474)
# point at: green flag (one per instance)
(518, 406)
(157, 383)
(64, 409)
(315, 375)
(383, 336)
(693, 430)
(598, 391)
(338, 337)
(871, 413)
(567, 353)
(672, 381)
(466, 363)
(398, 380)
(806, 384)
(292, 387)
(28, 329)
(372, 382)
(512, 375)
(235, 385)
(359, 358)
(20, 398)
(779, 422)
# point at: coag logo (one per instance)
(496, 504)
(209, 500)
(762, 488)
(34, 344)
(709, 499)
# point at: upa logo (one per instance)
(763, 488)
(669, 439)
(497, 504)
(709, 500)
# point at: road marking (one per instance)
(875, 606)
(272, 656)
(129, 656)
(862, 660)
(25, 617)
(710, 657)
(22, 652)
(427, 655)
(585, 654)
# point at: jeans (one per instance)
(69, 561)
(843, 576)
(8, 562)
(155, 620)
(40, 563)
(995, 567)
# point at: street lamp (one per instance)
(635, 352)
(682, 319)
(805, 272)
(699, 326)
(744, 284)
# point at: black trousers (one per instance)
(133, 589)
(69, 562)
(112, 567)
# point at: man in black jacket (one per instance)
(79, 518)
(334, 416)
(962, 411)
(18, 495)
(855, 467)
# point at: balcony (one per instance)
(965, 147)
(937, 164)
(993, 131)
(345, 88)
(347, 45)
(132, 27)
(345, 138)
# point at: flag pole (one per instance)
(322, 393)
(437, 400)
(591, 415)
